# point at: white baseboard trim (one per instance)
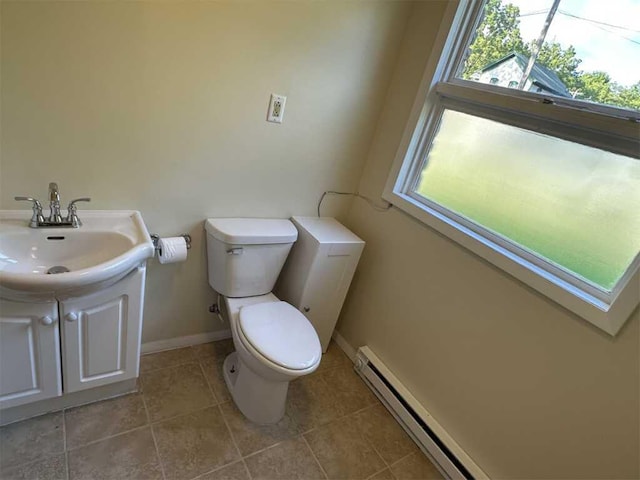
(179, 342)
(344, 345)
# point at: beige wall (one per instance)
(528, 389)
(160, 107)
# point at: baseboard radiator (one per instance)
(433, 440)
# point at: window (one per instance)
(541, 178)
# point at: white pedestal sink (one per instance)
(108, 246)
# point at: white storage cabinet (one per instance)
(88, 341)
(319, 270)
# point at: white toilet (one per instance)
(274, 342)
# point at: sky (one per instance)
(600, 47)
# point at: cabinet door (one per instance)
(29, 352)
(325, 291)
(101, 334)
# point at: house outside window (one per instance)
(513, 65)
(542, 179)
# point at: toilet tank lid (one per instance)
(251, 231)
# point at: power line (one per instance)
(603, 26)
(618, 34)
(537, 12)
(596, 23)
(563, 12)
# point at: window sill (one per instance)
(608, 316)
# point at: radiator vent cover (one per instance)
(433, 440)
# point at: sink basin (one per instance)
(108, 246)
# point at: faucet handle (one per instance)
(72, 203)
(36, 203)
(72, 209)
(36, 218)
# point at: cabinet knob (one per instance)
(306, 309)
(71, 317)
(46, 320)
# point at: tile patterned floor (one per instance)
(183, 425)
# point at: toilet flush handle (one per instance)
(235, 251)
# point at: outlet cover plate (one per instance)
(276, 108)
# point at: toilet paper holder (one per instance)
(155, 238)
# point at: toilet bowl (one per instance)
(274, 343)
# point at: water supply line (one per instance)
(215, 308)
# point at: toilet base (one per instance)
(260, 400)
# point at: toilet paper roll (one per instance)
(172, 250)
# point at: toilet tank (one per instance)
(245, 255)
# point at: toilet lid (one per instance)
(281, 334)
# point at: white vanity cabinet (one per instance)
(101, 335)
(57, 348)
(29, 352)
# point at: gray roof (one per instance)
(540, 75)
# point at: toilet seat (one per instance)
(280, 334)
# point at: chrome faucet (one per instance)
(55, 218)
(54, 204)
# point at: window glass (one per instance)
(575, 206)
(589, 51)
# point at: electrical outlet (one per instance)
(276, 108)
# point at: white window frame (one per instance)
(608, 128)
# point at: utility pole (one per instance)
(538, 45)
